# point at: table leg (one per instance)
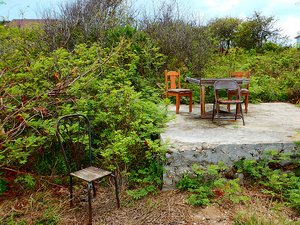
(202, 99)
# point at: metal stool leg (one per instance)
(90, 201)
(94, 189)
(71, 191)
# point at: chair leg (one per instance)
(71, 191)
(90, 186)
(177, 103)
(213, 113)
(237, 110)
(94, 189)
(242, 115)
(218, 115)
(246, 103)
(116, 190)
(191, 102)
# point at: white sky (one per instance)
(286, 12)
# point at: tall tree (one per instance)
(256, 31)
(223, 30)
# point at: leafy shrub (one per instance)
(106, 85)
(147, 179)
(270, 174)
(26, 181)
(3, 186)
(209, 186)
(274, 73)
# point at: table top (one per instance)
(211, 81)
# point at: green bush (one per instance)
(275, 73)
(210, 185)
(118, 84)
(269, 172)
(145, 181)
(26, 181)
(3, 184)
(114, 87)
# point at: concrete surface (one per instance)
(265, 123)
(194, 140)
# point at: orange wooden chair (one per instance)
(173, 88)
(244, 89)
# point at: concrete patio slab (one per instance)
(194, 140)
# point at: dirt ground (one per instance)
(166, 207)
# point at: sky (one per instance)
(286, 12)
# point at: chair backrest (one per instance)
(172, 79)
(240, 74)
(227, 84)
(74, 136)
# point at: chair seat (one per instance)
(90, 174)
(243, 91)
(177, 90)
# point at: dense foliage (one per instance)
(185, 42)
(276, 174)
(275, 73)
(210, 185)
(82, 21)
(105, 66)
(112, 86)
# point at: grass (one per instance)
(37, 207)
(50, 205)
(263, 210)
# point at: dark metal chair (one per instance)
(74, 135)
(227, 85)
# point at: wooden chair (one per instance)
(225, 85)
(74, 136)
(244, 90)
(173, 88)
